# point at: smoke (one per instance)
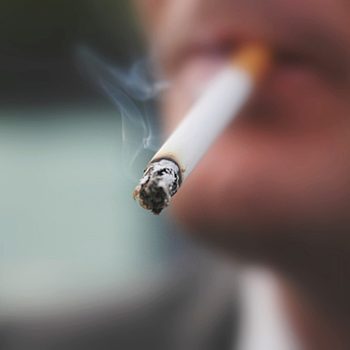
(134, 92)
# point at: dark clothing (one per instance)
(194, 309)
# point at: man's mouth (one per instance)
(202, 61)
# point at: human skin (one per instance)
(275, 187)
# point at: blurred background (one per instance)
(69, 227)
(82, 266)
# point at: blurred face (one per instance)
(283, 168)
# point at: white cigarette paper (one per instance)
(211, 114)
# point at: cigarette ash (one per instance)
(160, 181)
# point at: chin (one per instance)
(257, 190)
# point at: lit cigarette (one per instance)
(210, 115)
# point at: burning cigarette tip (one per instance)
(161, 180)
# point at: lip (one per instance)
(195, 63)
(197, 71)
(198, 63)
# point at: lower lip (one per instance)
(287, 86)
(197, 72)
(285, 80)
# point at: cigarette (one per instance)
(219, 104)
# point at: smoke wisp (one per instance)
(134, 92)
